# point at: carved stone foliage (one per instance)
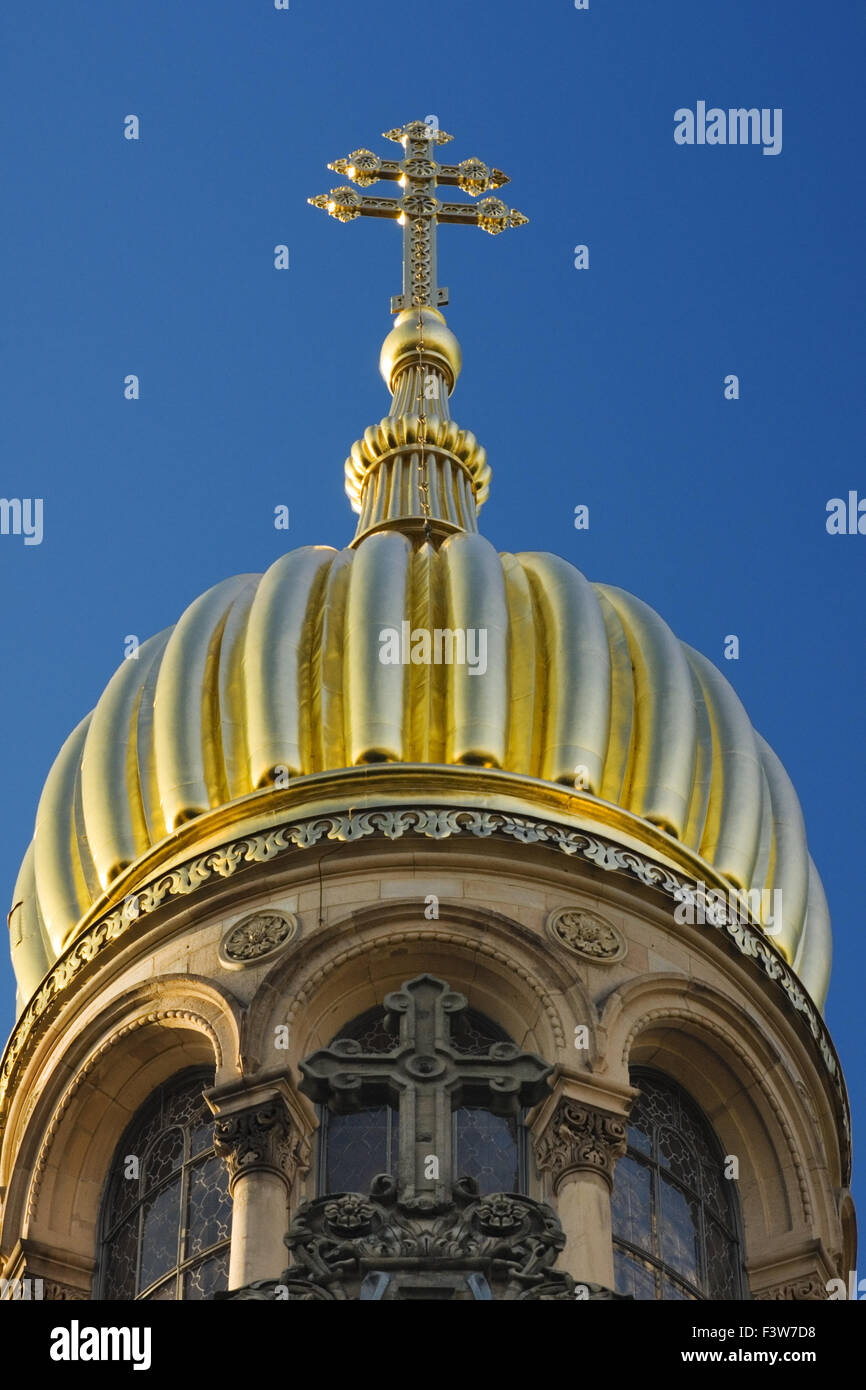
(797, 1291)
(260, 1137)
(579, 1137)
(257, 938)
(29, 1288)
(586, 934)
(56, 1292)
(349, 1246)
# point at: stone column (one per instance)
(263, 1146)
(579, 1145)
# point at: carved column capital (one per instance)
(580, 1138)
(260, 1136)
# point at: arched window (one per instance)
(675, 1215)
(166, 1217)
(354, 1147)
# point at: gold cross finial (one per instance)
(419, 210)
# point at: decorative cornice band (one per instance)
(435, 823)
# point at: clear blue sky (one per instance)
(602, 386)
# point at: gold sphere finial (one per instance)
(420, 337)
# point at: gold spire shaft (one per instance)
(417, 471)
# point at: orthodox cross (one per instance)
(419, 210)
(428, 1078)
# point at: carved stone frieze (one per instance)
(586, 934)
(55, 1292)
(579, 1137)
(796, 1291)
(350, 1246)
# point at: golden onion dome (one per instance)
(279, 676)
(273, 690)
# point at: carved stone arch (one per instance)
(719, 1055)
(108, 1070)
(505, 970)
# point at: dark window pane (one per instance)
(147, 1130)
(474, 1035)
(209, 1214)
(677, 1155)
(159, 1235)
(185, 1107)
(631, 1203)
(122, 1256)
(166, 1292)
(673, 1293)
(678, 1230)
(162, 1159)
(721, 1272)
(125, 1192)
(639, 1140)
(355, 1147)
(359, 1146)
(372, 1030)
(486, 1149)
(203, 1281)
(715, 1189)
(633, 1277)
(201, 1136)
(143, 1220)
(671, 1200)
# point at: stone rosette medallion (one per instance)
(586, 934)
(257, 938)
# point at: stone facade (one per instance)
(580, 962)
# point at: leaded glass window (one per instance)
(674, 1214)
(167, 1211)
(355, 1147)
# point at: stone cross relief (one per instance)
(427, 1077)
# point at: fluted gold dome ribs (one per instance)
(281, 673)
